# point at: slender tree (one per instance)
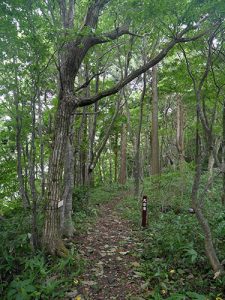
(180, 131)
(155, 168)
(137, 163)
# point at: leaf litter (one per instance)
(111, 249)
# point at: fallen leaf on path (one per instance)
(124, 253)
(111, 251)
(89, 282)
(119, 258)
(135, 264)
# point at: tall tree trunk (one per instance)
(223, 155)
(82, 149)
(209, 246)
(137, 166)
(155, 139)
(52, 241)
(147, 148)
(18, 129)
(208, 239)
(40, 128)
(116, 156)
(32, 161)
(123, 156)
(77, 151)
(180, 131)
(110, 164)
(66, 221)
(92, 132)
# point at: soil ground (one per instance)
(111, 249)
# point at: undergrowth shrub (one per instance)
(174, 264)
(25, 274)
(14, 244)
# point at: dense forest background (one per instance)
(104, 98)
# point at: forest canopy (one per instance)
(128, 95)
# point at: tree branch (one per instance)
(110, 36)
(94, 162)
(80, 102)
(93, 13)
(67, 13)
(86, 83)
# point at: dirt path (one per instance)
(110, 249)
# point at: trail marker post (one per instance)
(144, 211)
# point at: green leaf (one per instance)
(196, 296)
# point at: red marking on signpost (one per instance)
(144, 211)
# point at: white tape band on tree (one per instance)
(60, 203)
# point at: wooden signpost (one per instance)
(144, 211)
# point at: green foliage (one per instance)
(32, 40)
(26, 274)
(29, 275)
(21, 289)
(174, 264)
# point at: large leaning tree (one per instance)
(188, 26)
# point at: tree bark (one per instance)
(155, 139)
(180, 131)
(40, 128)
(123, 156)
(66, 221)
(115, 149)
(223, 155)
(32, 177)
(18, 129)
(52, 242)
(209, 246)
(92, 132)
(196, 203)
(84, 150)
(137, 166)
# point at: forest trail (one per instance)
(111, 249)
